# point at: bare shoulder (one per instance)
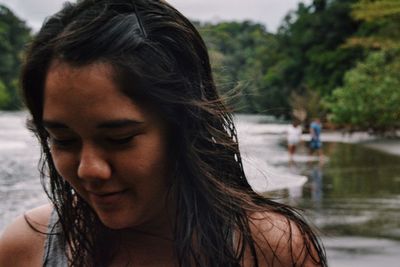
(281, 241)
(22, 243)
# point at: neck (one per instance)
(139, 248)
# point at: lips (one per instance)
(107, 198)
(105, 194)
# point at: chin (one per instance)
(115, 219)
(115, 223)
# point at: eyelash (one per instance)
(120, 141)
(65, 143)
(60, 142)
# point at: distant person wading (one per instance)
(294, 132)
(315, 141)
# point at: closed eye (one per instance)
(120, 141)
(62, 143)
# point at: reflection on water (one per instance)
(356, 193)
(353, 196)
(354, 199)
(315, 184)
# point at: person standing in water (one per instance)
(315, 141)
(294, 132)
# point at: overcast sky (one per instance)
(268, 12)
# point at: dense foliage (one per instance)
(336, 59)
(275, 72)
(313, 60)
(240, 53)
(14, 34)
(370, 96)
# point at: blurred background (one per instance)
(274, 61)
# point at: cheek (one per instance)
(149, 165)
(145, 167)
(157, 158)
(65, 165)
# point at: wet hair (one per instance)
(150, 44)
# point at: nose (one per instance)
(93, 165)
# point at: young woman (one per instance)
(140, 157)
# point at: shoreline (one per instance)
(388, 145)
(270, 173)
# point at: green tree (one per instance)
(4, 97)
(305, 58)
(371, 93)
(239, 56)
(370, 96)
(311, 53)
(380, 28)
(14, 34)
(370, 10)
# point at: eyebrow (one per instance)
(112, 124)
(119, 123)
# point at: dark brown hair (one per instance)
(152, 44)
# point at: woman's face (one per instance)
(111, 150)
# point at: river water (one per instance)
(353, 197)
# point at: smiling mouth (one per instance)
(107, 197)
(106, 194)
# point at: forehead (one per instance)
(85, 92)
(65, 78)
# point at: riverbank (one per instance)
(352, 197)
(266, 161)
(388, 145)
